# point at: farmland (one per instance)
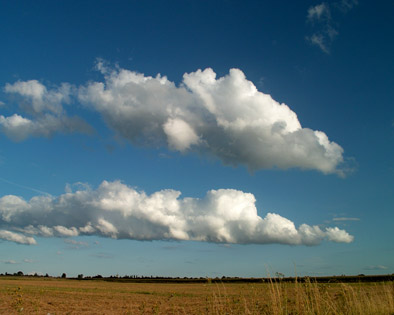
(40, 295)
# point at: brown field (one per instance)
(64, 296)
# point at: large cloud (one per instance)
(226, 117)
(45, 109)
(118, 211)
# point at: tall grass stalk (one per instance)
(309, 297)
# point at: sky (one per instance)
(196, 138)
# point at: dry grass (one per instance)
(62, 296)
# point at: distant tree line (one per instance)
(21, 274)
(279, 277)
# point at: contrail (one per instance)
(25, 187)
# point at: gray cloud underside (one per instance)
(44, 109)
(118, 211)
(18, 128)
(226, 117)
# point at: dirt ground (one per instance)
(65, 296)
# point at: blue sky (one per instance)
(196, 138)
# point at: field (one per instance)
(31, 295)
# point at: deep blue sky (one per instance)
(342, 87)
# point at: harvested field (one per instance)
(65, 296)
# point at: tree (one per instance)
(80, 276)
(64, 275)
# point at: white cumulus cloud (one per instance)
(340, 236)
(226, 117)
(46, 114)
(16, 237)
(37, 98)
(118, 211)
(179, 134)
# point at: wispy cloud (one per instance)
(118, 211)
(318, 12)
(375, 267)
(325, 27)
(73, 244)
(345, 219)
(319, 40)
(9, 262)
(33, 273)
(102, 256)
(346, 5)
(24, 187)
(173, 247)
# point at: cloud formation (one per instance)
(36, 97)
(375, 267)
(73, 244)
(225, 117)
(345, 219)
(16, 237)
(45, 111)
(9, 262)
(118, 211)
(325, 28)
(318, 12)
